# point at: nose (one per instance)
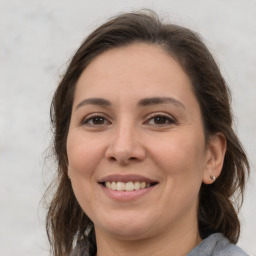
(125, 147)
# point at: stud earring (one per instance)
(212, 178)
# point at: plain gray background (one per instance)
(37, 39)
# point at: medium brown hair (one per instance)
(66, 222)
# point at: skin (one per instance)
(126, 137)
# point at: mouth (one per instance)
(127, 183)
(127, 186)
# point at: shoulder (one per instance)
(217, 245)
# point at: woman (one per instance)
(147, 158)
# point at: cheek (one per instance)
(183, 162)
(83, 154)
(181, 155)
(84, 157)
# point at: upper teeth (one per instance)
(128, 186)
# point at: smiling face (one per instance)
(136, 145)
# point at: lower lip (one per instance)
(126, 195)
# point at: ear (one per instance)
(214, 157)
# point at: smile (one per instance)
(127, 186)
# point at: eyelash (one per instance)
(164, 116)
(92, 118)
(89, 118)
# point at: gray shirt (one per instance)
(214, 245)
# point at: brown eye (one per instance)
(98, 120)
(160, 120)
(95, 121)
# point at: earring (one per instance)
(212, 178)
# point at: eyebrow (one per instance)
(94, 101)
(160, 100)
(142, 102)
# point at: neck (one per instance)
(168, 243)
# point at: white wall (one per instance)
(37, 38)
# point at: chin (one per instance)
(126, 228)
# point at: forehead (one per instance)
(132, 70)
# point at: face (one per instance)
(136, 146)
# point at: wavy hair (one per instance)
(66, 223)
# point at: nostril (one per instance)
(112, 159)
